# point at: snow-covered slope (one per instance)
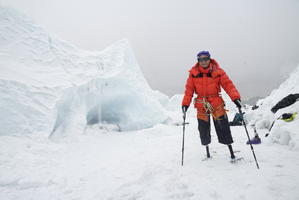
(48, 85)
(286, 133)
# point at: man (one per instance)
(205, 79)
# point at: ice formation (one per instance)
(49, 86)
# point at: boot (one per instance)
(255, 140)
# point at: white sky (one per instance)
(255, 41)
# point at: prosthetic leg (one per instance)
(232, 155)
(208, 152)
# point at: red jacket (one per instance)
(206, 83)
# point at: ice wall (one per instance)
(49, 86)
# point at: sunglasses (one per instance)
(203, 59)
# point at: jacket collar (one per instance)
(196, 69)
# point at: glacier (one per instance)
(48, 86)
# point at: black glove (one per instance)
(185, 108)
(238, 103)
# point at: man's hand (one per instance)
(238, 103)
(185, 108)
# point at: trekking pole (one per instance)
(183, 143)
(240, 111)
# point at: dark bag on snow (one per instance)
(237, 121)
(285, 102)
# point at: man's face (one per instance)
(204, 61)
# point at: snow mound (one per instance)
(49, 86)
(285, 133)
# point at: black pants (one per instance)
(222, 129)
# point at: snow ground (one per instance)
(144, 164)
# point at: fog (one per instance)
(255, 42)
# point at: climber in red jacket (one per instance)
(205, 79)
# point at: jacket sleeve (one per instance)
(229, 86)
(189, 90)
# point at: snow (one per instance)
(144, 164)
(49, 86)
(113, 137)
(285, 133)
